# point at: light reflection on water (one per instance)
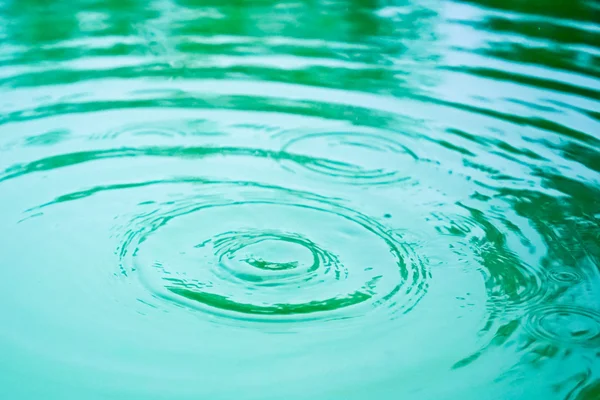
(317, 199)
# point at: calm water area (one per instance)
(300, 199)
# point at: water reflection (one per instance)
(380, 198)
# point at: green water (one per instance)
(300, 199)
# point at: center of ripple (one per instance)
(277, 253)
(263, 256)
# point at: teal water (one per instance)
(300, 199)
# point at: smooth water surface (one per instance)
(334, 199)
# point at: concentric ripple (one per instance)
(262, 256)
(566, 324)
(565, 276)
(354, 157)
(296, 199)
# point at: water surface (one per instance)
(300, 200)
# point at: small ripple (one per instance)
(512, 283)
(166, 129)
(565, 276)
(355, 157)
(571, 325)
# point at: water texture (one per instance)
(300, 200)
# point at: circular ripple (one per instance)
(510, 281)
(564, 276)
(248, 251)
(566, 324)
(161, 129)
(354, 157)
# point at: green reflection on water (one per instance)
(342, 199)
